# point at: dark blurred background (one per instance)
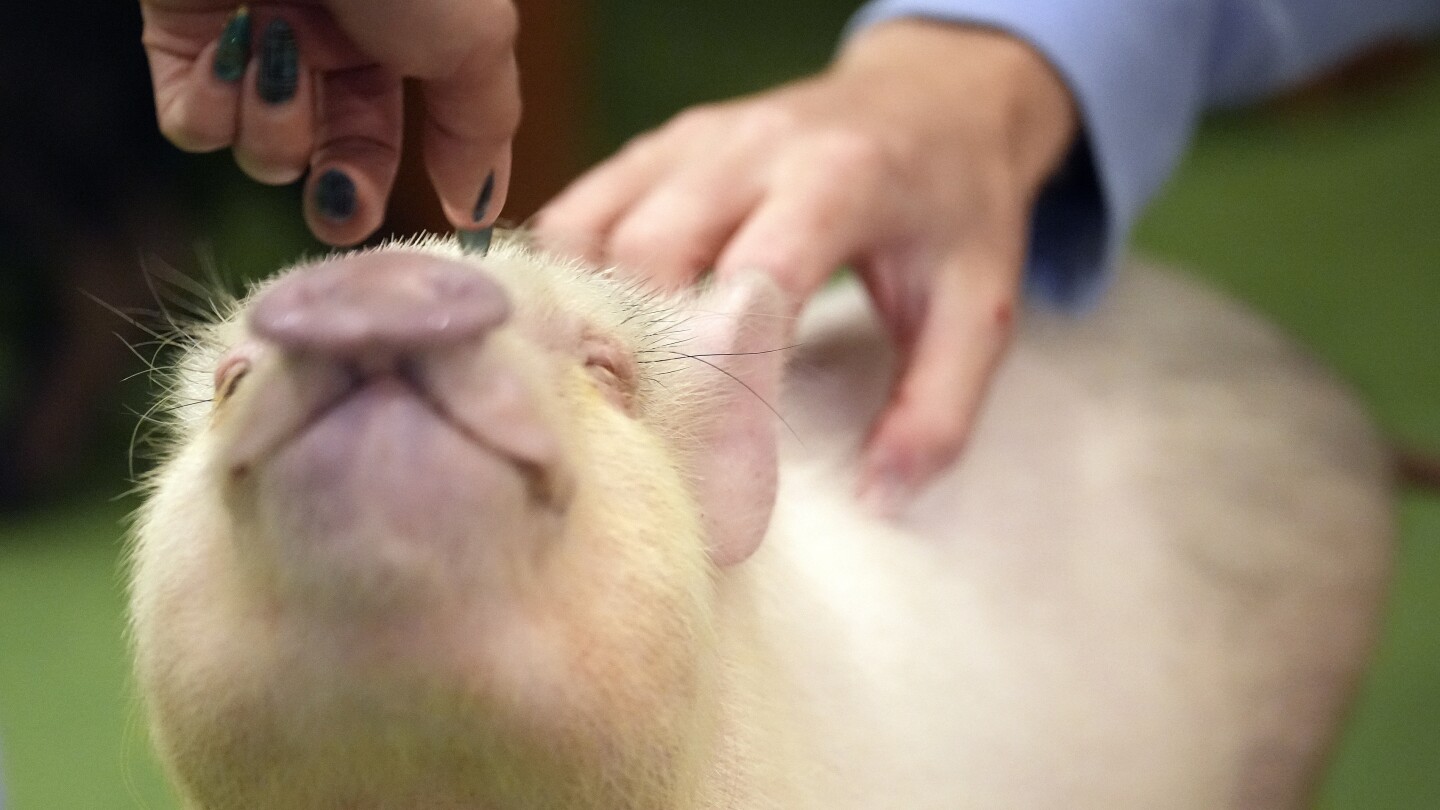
(1321, 208)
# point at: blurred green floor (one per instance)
(1328, 219)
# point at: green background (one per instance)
(1325, 214)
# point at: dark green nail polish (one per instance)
(477, 240)
(234, 49)
(482, 205)
(279, 63)
(335, 195)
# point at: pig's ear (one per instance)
(741, 326)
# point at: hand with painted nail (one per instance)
(920, 177)
(315, 86)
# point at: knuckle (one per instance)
(670, 250)
(637, 242)
(849, 154)
(764, 123)
(639, 149)
(689, 124)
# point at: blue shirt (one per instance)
(1141, 72)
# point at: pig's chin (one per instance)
(382, 496)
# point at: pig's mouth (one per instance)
(344, 402)
(403, 379)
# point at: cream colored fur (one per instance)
(1153, 582)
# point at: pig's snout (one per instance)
(377, 349)
(379, 304)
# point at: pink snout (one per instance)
(379, 304)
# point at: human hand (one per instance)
(324, 92)
(916, 158)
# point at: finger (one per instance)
(470, 122)
(196, 74)
(676, 231)
(357, 152)
(580, 218)
(276, 133)
(813, 219)
(945, 374)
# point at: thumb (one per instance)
(943, 379)
(470, 121)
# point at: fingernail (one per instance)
(335, 195)
(476, 240)
(279, 63)
(482, 205)
(234, 49)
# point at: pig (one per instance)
(505, 532)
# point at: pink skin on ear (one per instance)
(741, 325)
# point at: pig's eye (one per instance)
(228, 376)
(612, 369)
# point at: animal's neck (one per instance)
(760, 761)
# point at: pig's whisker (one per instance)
(121, 314)
(152, 369)
(150, 366)
(194, 298)
(140, 421)
(746, 386)
(192, 403)
(635, 312)
(672, 325)
(163, 271)
(149, 276)
(684, 355)
(151, 417)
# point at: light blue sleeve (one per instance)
(1141, 72)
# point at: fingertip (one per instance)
(882, 494)
(278, 73)
(341, 207)
(267, 172)
(275, 135)
(907, 448)
(471, 119)
(232, 51)
(476, 200)
(333, 193)
(938, 397)
(482, 206)
(182, 132)
(892, 477)
(357, 153)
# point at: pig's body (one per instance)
(1153, 582)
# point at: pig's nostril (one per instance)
(379, 303)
